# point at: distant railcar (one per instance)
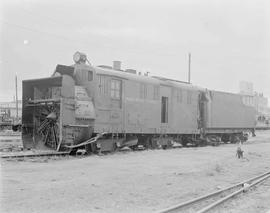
(78, 103)
(226, 116)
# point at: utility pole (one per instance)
(16, 97)
(189, 64)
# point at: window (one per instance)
(143, 91)
(90, 75)
(179, 95)
(156, 92)
(189, 96)
(164, 109)
(102, 87)
(248, 100)
(115, 89)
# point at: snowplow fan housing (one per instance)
(49, 118)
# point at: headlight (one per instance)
(79, 57)
(76, 57)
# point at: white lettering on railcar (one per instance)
(140, 100)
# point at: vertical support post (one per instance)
(16, 97)
(60, 124)
(189, 66)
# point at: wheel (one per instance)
(164, 147)
(184, 141)
(135, 147)
(73, 151)
(234, 139)
(225, 138)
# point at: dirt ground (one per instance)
(142, 181)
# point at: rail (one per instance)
(244, 186)
(31, 155)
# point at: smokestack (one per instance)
(117, 65)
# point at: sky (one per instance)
(229, 40)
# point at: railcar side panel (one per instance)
(185, 111)
(109, 93)
(140, 108)
(148, 106)
(226, 110)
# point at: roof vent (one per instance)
(131, 71)
(105, 66)
(117, 65)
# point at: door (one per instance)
(164, 109)
(117, 112)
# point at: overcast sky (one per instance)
(228, 40)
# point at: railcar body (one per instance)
(80, 101)
(227, 111)
(128, 103)
(226, 116)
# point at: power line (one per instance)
(36, 31)
(47, 18)
(79, 42)
(85, 44)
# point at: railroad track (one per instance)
(31, 155)
(209, 201)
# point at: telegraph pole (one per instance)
(189, 65)
(16, 97)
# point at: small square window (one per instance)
(179, 95)
(115, 89)
(90, 75)
(143, 91)
(103, 88)
(156, 92)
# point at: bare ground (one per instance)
(143, 181)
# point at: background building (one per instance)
(257, 100)
(246, 88)
(8, 111)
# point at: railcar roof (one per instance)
(146, 79)
(228, 93)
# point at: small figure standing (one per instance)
(253, 132)
(239, 151)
